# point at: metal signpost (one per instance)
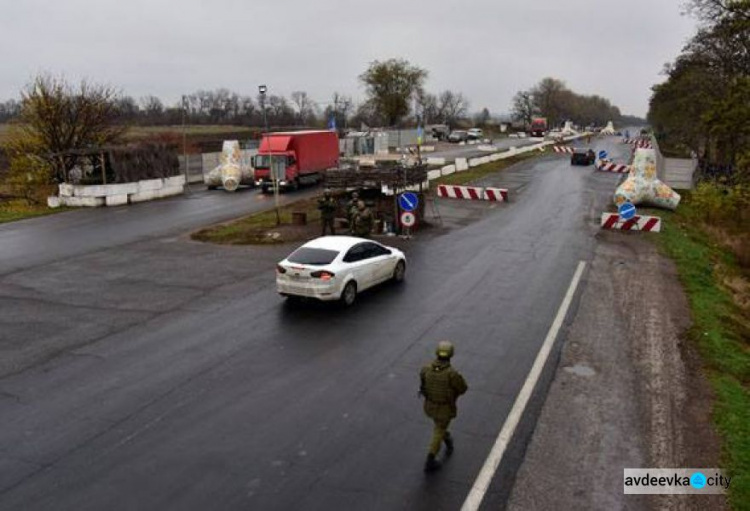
(408, 202)
(262, 89)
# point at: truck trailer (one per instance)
(300, 157)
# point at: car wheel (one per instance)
(399, 272)
(349, 294)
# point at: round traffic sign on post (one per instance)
(408, 201)
(602, 155)
(408, 219)
(626, 211)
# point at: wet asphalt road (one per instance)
(471, 151)
(187, 383)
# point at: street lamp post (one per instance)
(262, 89)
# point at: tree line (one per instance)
(703, 107)
(552, 99)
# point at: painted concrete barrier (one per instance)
(496, 194)
(447, 170)
(637, 223)
(461, 164)
(435, 161)
(563, 149)
(116, 194)
(460, 192)
(618, 168)
(434, 174)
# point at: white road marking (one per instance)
(482, 483)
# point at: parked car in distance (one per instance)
(458, 136)
(475, 134)
(582, 157)
(338, 268)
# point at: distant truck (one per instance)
(304, 156)
(538, 127)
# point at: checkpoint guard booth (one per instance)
(380, 187)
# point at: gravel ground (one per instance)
(628, 392)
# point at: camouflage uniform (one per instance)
(441, 385)
(362, 223)
(327, 207)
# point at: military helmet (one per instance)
(444, 349)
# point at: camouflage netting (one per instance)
(393, 176)
(122, 164)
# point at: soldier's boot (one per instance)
(431, 464)
(448, 444)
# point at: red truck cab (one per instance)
(301, 157)
(538, 127)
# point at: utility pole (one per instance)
(262, 89)
(184, 142)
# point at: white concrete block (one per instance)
(104, 190)
(487, 148)
(433, 174)
(82, 202)
(116, 200)
(150, 185)
(448, 170)
(461, 164)
(53, 202)
(427, 148)
(144, 196)
(66, 190)
(174, 181)
(495, 157)
(435, 161)
(474, 162)
(169, 191)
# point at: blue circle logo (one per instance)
(626, 211)
(698, 481)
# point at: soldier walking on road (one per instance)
(363, 221)
(327, 207)
(440, 385)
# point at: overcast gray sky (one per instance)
(487, 49)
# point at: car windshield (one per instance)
(312, 256)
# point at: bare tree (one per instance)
(57, 118)
(452, 106)
(523, 107)
(304, 105)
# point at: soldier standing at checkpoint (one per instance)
(440, 385)
(327, 207)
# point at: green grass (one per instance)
(191, 130)
(13, 210)
(4, 129)
(476, 173)
(721, 332)
(254, 229)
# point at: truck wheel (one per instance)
(212, 187)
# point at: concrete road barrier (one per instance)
(434, 174)
(495, 194)
(447, 170)
(460, 192)
(461, 164)
(637, 223)
(435, 161)
(116, 200)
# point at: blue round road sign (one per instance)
(408, 201)
(602, 155)
(626, 211)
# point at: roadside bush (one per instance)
(30, 178)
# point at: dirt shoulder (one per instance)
(628, 392)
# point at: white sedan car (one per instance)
(337, 268)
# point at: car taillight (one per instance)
(280, 269)
(322, 275)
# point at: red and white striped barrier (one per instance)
(460, 192)
(637, 223)
(496, 194)
(563, 149)
(613, 167)
(638, 143)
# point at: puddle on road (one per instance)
(580, 370)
